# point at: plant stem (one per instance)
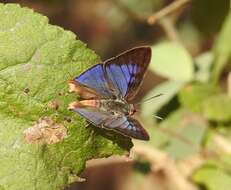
(167, 10)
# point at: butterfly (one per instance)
(108, 88)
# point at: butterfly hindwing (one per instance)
(122, 124)
(127, 70)
(127, 126)
(94, 116)
(84, 91)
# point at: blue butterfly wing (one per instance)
(96, 79)
(93, 115)
(126, 71)
(127, 126)
(121, 77)
(124, 125)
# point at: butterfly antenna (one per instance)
(158, 117)
(152, 97)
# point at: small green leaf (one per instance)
(36, 60)
(222, 49)
(185, 132)
(190, 36)
(169, 89)
(217, 108)
(192, 96)
(171, 60)
(203, 62)
(213, 178)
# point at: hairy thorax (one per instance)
(116, 107)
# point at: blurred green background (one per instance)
(191, 147)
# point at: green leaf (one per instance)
(192, 96)
(169, 89)
(36, 60)
(190, 36)
(205, 99)
(171, 60)
(203, 62)
(217, 108)
(213, 178)
(184, 131)
(222, 49)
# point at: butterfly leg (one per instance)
(88, 124)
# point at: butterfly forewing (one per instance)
(95, 78)
(92, 114)
(127, 70)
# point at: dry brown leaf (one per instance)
(45, 131)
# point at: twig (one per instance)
(165, 22)
(229, 83)
(222, 144)
(167, 10)
(190, 164)
(160, 161)
(169, 29)
(109, 161)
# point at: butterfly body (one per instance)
(107, 89)
(116, 107)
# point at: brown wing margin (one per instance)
(137, 61)
(144, 57)
(127, 126)
(134, 129)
